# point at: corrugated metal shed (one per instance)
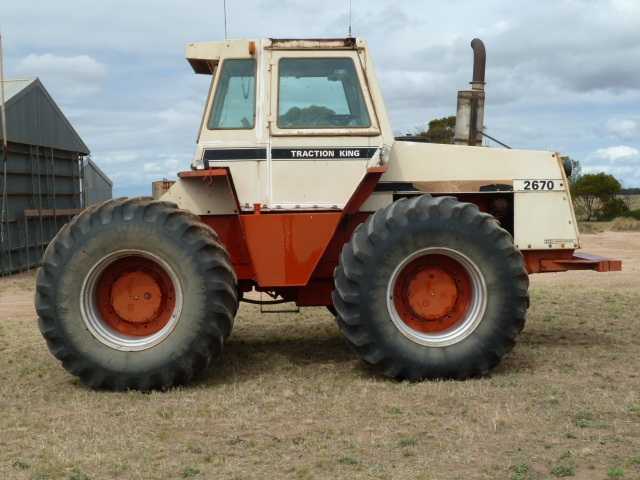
(44, 184)
(97, 187)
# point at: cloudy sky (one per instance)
(562, 74)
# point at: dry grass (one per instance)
(290, 401)
(593, 227)
(625, 225)
(632, 201)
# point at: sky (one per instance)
(562, 75)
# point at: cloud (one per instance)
(71, 76)
(82, 67)
(625, 129)
(617, 153)
(622, 161)
(627, 7)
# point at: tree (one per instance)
(576, 172)
(440, 130)
(595, 190)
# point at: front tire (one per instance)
(136, 294)
(431, 288)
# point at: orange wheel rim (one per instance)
(131, 300)
(436, 296)
(135, 296)
(432, 293)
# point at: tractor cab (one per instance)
(287, 117)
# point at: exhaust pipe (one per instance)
(479, 63)
(470, 111)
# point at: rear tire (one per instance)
(136, 294)
(431, 288)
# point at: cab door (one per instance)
(233, 132)
(323, 129)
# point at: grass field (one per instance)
(633, 201)
(289, 400)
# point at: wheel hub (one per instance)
(432, 293)
(136, 297)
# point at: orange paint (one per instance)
(543, 261)
(285, 248)
(212, 172)
(135, 296)
(433, 293)
(231, 234)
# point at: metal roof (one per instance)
(33, 118)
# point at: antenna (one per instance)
(224, 6)
(349, 18)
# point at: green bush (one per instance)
(632, 214)
(613, 208)
(593, 191)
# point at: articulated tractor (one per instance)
(299, 191)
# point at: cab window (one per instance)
(320, 93)
(234, 104)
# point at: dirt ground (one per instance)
(289, 400)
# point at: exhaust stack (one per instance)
(470, 111)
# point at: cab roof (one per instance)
(204, 56)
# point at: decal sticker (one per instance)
(297, 153)
(315, 153)
(539, 185)
(560, 241)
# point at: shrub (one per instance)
(595, 190)
(612, 208)
(633, 214)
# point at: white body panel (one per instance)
(543, 219)
(298, 184)
(425, 162)
(202, 198)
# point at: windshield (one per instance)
(320, 93)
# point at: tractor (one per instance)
(299, 192)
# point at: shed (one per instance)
(43, 185)
(97, 187)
